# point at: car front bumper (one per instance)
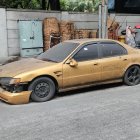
(15, 98)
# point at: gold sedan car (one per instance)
(69, 65)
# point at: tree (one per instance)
(24, 4)
(80, 5)
(43, 4)
(66, 5)
(54, 5)
(31, 4)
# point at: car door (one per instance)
(114, 60)
(88, 69)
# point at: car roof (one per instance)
(86, 40)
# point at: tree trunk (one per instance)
(55, 5)
(43, 4)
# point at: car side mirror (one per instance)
(73, 63)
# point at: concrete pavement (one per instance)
(109, 112)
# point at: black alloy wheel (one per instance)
(132, 76)
(43, 89)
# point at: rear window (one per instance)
(112, 49)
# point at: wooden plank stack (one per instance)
(80, 33)
(113, 27)
(51, 32)
(66, 30)
(93, 34)
(55, 31)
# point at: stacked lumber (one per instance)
(50, 32)
(66, 30)
(113, 27)
(55, 31)
(93, 34)
(81, 33)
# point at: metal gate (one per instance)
(31, 40)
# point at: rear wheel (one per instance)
(43, 89)
(132, 76)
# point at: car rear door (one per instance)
(114, 60)
(88, 69)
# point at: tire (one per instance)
(43, 89)
(132, 76)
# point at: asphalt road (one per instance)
(109, 112)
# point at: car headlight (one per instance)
(9, 81)
(15, 81)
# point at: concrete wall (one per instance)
(13, 16)
(81, 20)
(9, 31)
(3, 33)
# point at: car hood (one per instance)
(22, 66)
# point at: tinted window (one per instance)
(88, 52)
(112, 49)
(59, 52)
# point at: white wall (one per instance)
(9, 31)
(3, 33)
(13, 16)
(81, 20)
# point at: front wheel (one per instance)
(43, 89)
(132, 76)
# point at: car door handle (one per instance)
(96, 64)
(125, 59)
(32, 37)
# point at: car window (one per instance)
(87, 52)
(59, 52)
(112, 49)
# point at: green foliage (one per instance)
(24, 4)
(80, 5)
(66, 5)
(63, 4)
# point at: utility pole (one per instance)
(100, 20)
(103, 15)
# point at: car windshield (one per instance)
(59, 52)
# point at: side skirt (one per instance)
(90, 85)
